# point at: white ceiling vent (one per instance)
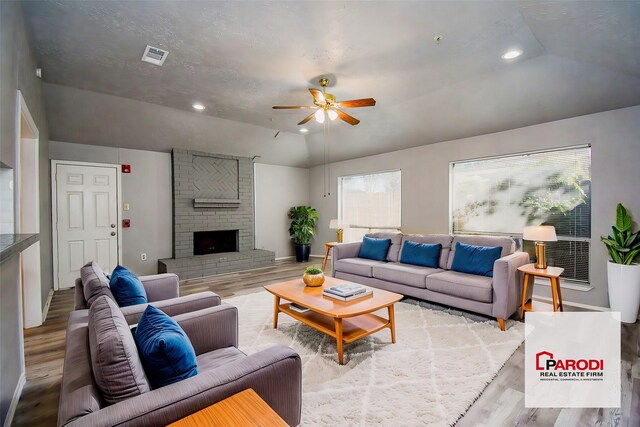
(154, 55)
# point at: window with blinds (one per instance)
(502, 195)
(368, 203)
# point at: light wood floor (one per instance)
(501, 404)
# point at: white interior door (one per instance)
(87, 219)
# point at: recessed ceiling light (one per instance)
(512, 54)
(198, 106)
(304, 130)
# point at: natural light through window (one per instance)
(369, 202)
(503, 195)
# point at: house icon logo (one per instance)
(540, 366)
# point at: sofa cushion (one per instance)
(165, 350)
(475, 259)
(375, 249)
(506, 243)
(393, 254)
(217, 358)
(463, 285)
(405, 274)
(127, 288)
(433, 239)
(116, 364)
(94, 283)
(357, 266)
(424, 254)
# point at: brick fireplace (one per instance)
(213, 216)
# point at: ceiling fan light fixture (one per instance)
(332, 114)
(319, 115)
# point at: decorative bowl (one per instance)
(313, 280)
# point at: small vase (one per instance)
(313, 280)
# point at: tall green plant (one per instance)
(303, 224)
(624, 246)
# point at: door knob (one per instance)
(113, 226)
(113, 233)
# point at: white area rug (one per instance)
(438, 367)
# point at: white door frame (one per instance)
(27, 175)
(54, 208)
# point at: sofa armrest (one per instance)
(507, 284)
(79, 302)
(161, 286)
(342, 251)
(173, 307)
(212, 328)
(274, 374)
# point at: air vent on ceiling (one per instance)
(155, 56)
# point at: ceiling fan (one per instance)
(326, 104)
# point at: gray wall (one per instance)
(277, 189)
(615, 140)
(17, 72)
(147, 189)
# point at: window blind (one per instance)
(502, 195)
(369, 202)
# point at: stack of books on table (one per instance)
(347, 292)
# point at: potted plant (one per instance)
(313, 276)
(302, 229)
(623, 274)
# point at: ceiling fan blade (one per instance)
(347, 118)
(318, 96)
(289, 107)
(306, 119)
(356, 103)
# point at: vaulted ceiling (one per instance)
(239, 58)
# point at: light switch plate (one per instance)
(143, 257)
(125, 206)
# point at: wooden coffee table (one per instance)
(344, 321)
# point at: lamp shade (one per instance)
(335, 224)
(540, 233)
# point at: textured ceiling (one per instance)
(240, 58)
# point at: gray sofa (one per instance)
(275, 374)
(496, 296)
(162, 291)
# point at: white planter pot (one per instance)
(624, 290)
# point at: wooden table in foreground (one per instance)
(240, 410)
(344, 321)
(553, 274)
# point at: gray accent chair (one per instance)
(497, 296)
(275, 374)
(163, 292)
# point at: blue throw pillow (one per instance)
(424, 254)
(374, 248)
(165, 350)
(126, 287)
(475, 259)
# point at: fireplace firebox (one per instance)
(213, 242)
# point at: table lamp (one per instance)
(336, 224)
(540, 234)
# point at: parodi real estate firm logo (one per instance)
(572, 360)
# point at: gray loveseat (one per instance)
(496, 296)
(275, 374)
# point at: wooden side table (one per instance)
(242, 409)
(553, 274)
(327, 247)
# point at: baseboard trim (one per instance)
(285, 257)
(14, 400)
(574, 304)
(47, 304)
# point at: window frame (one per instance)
(340, 206)
(576, 284)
